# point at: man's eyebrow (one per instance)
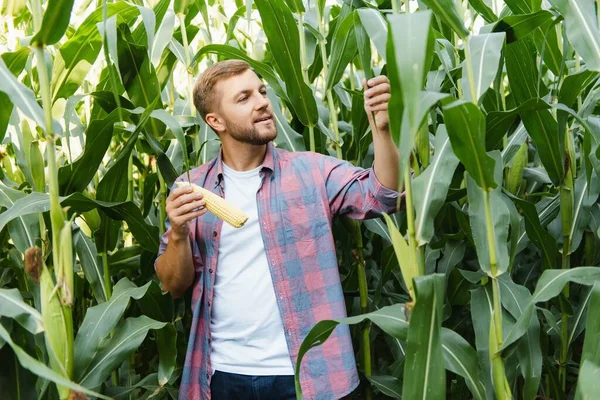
(248, 91)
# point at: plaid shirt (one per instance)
(300, 194)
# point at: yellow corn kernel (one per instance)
(219, 206)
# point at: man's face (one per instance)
(245, 110)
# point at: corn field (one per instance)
(483, 287)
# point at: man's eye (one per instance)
(263, 92)
(243, 99)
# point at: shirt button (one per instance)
(210, 271)
(207, 376)
(214, 233)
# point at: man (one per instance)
(259, 289)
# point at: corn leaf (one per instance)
(406, 257)
(590, 355)
(549, 285)
(343, 50)
(390, 319)
(126, 339)
(482, 307)
(55, 22)
(77, 55)
(446, 11)
(500, 222)
(282, 32)
(36, 202)
(587, 384)
(519, 26)
(100, 320)
(514, 299)
(91, 265)
(388, 385)
(431, 187)
(482, 9)
(13, 306)
(425, 377)
(461, 358)
(485, 50)
(376, 28)
(582, 29)
(40, 369)
(466, 128)
(25, 229)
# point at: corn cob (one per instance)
(219, 206)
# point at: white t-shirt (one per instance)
(246, 327)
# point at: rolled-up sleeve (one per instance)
(357, 192)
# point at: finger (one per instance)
(184, 219)
(377, 80)
(377, 90)
(385, 97)
(379, 107)
(186, 208)
(179, 192)
(185, 198)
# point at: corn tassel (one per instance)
(219, 206)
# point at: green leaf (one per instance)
(461, 358)
(573, 86)
(466, 129)
(590, 355)
(145, 234)
(388, 385)
(424, 375)
(91, 265)
(76, 176)
(406, 257)
(20, 95)
(550, 285)
(584, 197)
(100, 320)
(515, 298)
(376, 27)
(522, 71)
(287, 138)
(77, 55)
(431, 187)
(587, 384)
(390, 319)
(519, 26)
(263, 70)
(114, 184)
(23, 230)
(582, 29)
(482, 8)
(41, 370)
(343, 50)
(500, 222)
(163, 37)
(281, 30)
(55, 22)
(446, 11)
(485, 50)
(538, 235)
(13, 306)
(481, 314)
(409, 34)
(295, 5)
(126, 339)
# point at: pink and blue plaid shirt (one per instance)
(300, 194)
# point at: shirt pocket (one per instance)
(304, 215)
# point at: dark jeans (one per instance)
(228, 386)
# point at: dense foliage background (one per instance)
(484, 287)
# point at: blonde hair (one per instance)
(204, 96)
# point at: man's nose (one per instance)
(263, 102)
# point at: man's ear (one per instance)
(215, 122)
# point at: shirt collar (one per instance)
(268, 162)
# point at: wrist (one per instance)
(176, 236)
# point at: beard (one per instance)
(251, 135)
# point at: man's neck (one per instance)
(242, 156)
